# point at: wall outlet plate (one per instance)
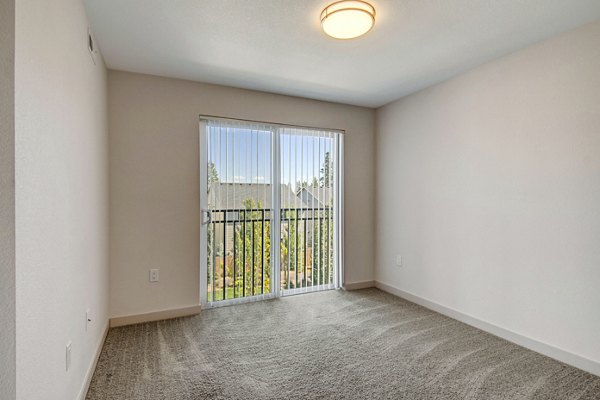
(154, 275)
(398, 260)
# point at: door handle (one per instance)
(208, 214)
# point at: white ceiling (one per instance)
(277, 45)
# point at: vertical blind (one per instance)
(271, 195)
(307, 219)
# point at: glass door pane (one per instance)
(308, 179)
(238, 212)
(270, 206)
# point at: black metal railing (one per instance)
(239, 251)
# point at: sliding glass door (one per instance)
(307, 204)
(271, 206)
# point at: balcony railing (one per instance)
(239, 251)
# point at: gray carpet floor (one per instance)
(330, 345)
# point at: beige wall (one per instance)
(489, 187)
(7, 200)
(154, 174)
(61, 199)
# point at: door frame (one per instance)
(275, 282)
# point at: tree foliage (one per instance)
(213, 173)
(326, 172)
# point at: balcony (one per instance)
(239, 250)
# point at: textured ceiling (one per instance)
(277, 45)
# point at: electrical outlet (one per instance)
(68, 356)
(88, 318)
(154, 275)
(398, 260)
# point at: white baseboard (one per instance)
(90, 372)
(358, 285)
(154, 316)
(559, 354)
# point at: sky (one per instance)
(241, 155)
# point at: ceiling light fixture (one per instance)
(348, 19)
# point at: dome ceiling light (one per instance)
(348, 19)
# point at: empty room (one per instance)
(300, 199)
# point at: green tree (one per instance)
(252, 260)
(292, 250)
(301, 185)
(326, 172)
(213, 174)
